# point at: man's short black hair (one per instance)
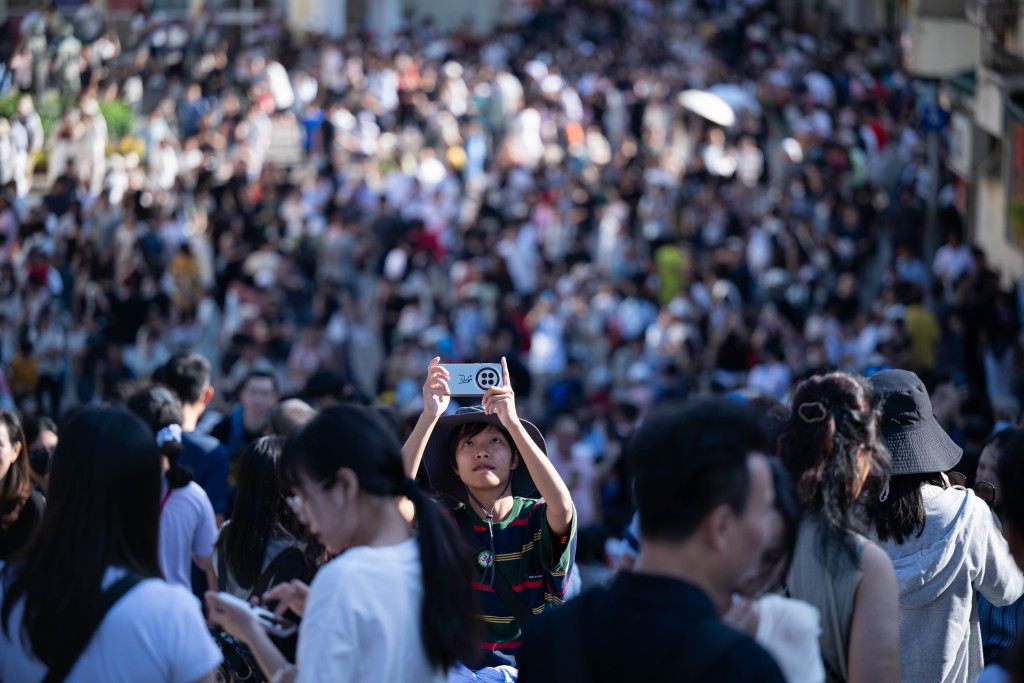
(255, 374)
(688, 460)
(187, 374)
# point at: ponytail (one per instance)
(448, 620)
(359, 439)
(168, 440)
(161, 409)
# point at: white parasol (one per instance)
(709, 106)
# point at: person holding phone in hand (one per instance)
(512, 508)
(394, 604)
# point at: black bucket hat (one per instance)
(437, 455)
(917, 443)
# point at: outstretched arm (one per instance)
(435, 401)
(502, 401)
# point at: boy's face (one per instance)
(484, 461)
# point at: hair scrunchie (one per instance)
(169, 434)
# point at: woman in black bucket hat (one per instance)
(943, 540)
(489, 465)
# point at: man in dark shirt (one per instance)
(187, 374)
(704, 493)
(257, 394)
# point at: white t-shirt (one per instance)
(187, 527)
(155, 632)
(362, 619)
(789, 629)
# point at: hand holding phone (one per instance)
(275, 625)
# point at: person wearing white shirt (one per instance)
(101, 522)
(396, 605)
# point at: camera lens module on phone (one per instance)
(487, 378)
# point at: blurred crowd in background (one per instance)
(336, 213)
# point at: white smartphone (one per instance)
(275, 625)
(472, 379)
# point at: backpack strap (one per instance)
(222, 566)
(290, 562)
(108, 599)
(502, 588)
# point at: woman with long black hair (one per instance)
(21, 505)
(100, 526)
(833, 449)
(262, 526)
(262, 544)
(396, 605)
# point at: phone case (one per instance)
(472, 379)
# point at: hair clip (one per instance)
(811, 412)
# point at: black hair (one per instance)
(354, 437)
(786, 506)
(102, 510)
(901, 515)
(470, 429)
(774, 416)
(255, 374)
(1010, 470)
(187, 374)
(688, 460)
(34, 426)
(16, 485)
(160, 408)
(835, 419)
(260, 512)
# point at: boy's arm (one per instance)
(435, 402)
(501, 400)
(416, 444)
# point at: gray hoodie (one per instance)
(960, 551)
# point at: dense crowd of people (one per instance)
(294, 223)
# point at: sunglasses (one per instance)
(982, 489)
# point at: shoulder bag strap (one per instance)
(109, 598)
(502, 587)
